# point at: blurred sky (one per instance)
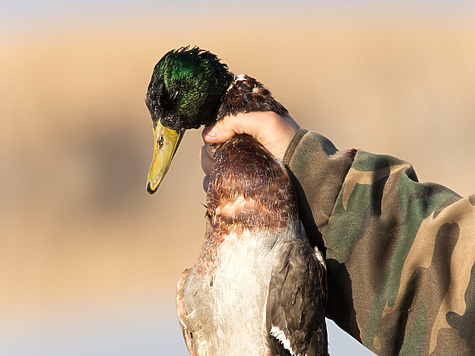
(26, 15)
(132, 323)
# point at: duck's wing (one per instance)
(180, 306)
(295, 312)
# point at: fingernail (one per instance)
(211, 133)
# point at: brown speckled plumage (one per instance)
(248, 95)
(248, 178)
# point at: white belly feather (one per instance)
(227, 310)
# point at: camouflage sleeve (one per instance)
(400, 253)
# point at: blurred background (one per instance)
(88, 260)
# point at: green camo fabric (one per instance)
(400, 254)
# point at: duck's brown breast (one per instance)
(248, 189)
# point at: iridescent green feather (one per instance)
(186, 88)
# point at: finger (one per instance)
(209, 147)
(220, 131)
(206, 160)
(205, 183)
(260, 125)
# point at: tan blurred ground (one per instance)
(76, 222)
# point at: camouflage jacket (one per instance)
(400, 254)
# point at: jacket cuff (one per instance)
(293, 145)
(318, 171)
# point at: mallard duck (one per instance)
(257, 287)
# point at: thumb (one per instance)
(224, 129)
(241, 123)
(273, 131)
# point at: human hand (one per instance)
(273, 131)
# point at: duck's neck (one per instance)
(246, 94)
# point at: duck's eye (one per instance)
(172, 93)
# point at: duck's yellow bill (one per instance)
(166, 142)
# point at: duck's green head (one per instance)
(185, 92)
